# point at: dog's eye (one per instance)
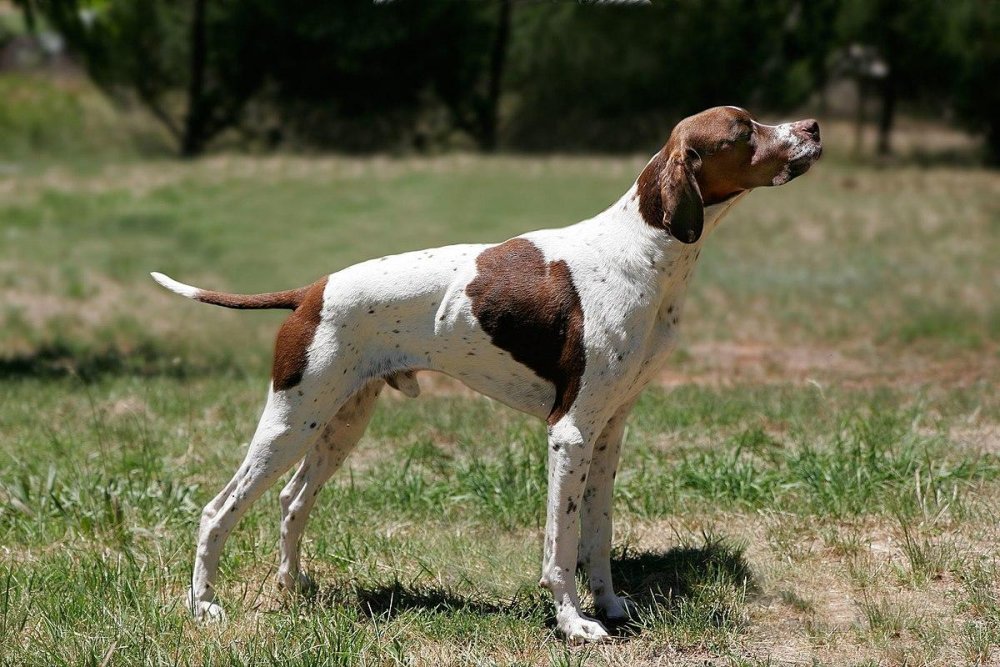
(745, 134)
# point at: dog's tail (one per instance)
(289, 299)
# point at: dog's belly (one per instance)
(465, 352)
(505, 380)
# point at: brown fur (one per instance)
(289, 299)
(532, 310)
(724, 152)
(669, 197)
(295, 336)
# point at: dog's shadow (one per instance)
(650, 579)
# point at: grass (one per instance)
(428, 543)
(811, 482)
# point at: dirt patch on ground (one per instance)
(728, 364)
(724, 363)
(981, 437)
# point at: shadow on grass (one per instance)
(658, 578)
(656, 582)
(388, 601)
(59, 360)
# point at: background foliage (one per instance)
(359, 76)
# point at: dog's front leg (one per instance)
(596, 528)
(570, 449)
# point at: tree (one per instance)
(907, 35)
(976, 92)
(614, 77)
(357, 75)
(192, 63)
(473, 97)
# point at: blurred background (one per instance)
(187, 77)
(328, 133)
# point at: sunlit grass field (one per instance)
(814, 480)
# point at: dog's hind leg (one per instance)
(286, 430)
(299, 495)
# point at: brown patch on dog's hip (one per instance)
(294, 338)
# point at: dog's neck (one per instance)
(650, 254)
(625, 212)
(716, 212)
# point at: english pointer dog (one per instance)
(565, 324)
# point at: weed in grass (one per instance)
(820, 634)
(845, 541)
(926, 560)
(91, 505)
(981, 590)
(872, 464)
(980, 641)
(878, 463)
(790, 536)
(565, 656)
(864, 571)
(885, 618)
(797, 602)
(751, 662)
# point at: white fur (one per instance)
(175, 286)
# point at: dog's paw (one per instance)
(301, 584)
(208, 612)
(205, 611)
(580, 629)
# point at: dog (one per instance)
(565, 324)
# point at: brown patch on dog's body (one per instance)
(532, 310)
(295, 336)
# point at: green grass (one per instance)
(813, 483)
(431, 536)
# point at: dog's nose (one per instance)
(809, 127)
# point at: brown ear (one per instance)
(683, 209)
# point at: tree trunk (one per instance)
(491, 113)
(887, 113)
(859, 118)
(28, 11)
(195, 124)
(993, 142)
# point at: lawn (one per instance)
(813, 480)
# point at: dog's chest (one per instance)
(662, 338)
(650, 332)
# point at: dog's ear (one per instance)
(683, 209)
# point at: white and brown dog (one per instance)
(566, 324)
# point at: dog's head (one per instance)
(716, 155)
